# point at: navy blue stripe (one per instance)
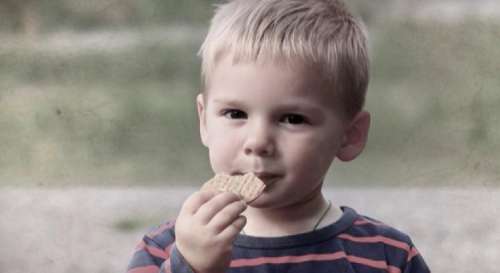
(373, 230)
(165, 238)
(361, 268)
(339, 265)
(300, 240)
(143, 258)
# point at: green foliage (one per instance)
(148, 61)
(447, 69)
(434, 98)
(126, 115)
(47, 15)
(120, 116)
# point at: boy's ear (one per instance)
(355, 137)
(200, 105)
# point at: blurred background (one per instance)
(101, 92)
(97, 114)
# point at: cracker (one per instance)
(248, 186)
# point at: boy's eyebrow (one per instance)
(285, 107)
(231, 102)
(311, 109)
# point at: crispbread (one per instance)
(248, 186)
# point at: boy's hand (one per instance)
(206, 227)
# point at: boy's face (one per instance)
(275, 121)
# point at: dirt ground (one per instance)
(95, 230)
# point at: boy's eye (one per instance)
(294, 119)
(234, 114)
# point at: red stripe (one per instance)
(374, 263)
(376, 239)
(413, 252)
(368, 262)
(157, 252)
(287, 259)
(393, 269)
(144, 269)
(140, 246)
(314, 257)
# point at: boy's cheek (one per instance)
(221, 156)
(220, 164)
(317, 157)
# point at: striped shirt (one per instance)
(354, 243)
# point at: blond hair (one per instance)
(322, 34)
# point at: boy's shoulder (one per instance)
(396, 246)
(363, 225)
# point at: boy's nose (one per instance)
(259, 141)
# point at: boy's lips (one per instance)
(266, 177)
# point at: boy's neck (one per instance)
(294, 219)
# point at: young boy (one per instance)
(284, 87)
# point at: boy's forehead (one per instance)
(296, 78)
(279, 66)
(235, 57)
(279, 72)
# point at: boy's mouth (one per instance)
(266, 177)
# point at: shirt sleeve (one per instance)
(177, 263)
(415, 262)
(156, 253)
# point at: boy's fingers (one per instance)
(209, 209)
(196, 200)
(227, 215)
(234, 229)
